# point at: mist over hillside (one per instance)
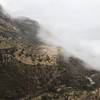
(73, 24)
(37, 62)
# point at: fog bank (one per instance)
(72, 24)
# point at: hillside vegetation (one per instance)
(33, 70)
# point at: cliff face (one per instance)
(29, 67)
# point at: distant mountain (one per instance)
(29, 66)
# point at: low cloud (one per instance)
(72, 24)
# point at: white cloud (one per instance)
(74, 23)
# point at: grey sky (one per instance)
(74, 24)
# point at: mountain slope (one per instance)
(29, 67)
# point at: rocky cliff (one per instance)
(29, 67)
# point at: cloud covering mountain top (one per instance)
(73, 24)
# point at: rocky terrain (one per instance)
(33, 70)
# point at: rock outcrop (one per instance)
(29, 67)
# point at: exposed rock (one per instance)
(29, 67)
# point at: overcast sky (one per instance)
(74, 24)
